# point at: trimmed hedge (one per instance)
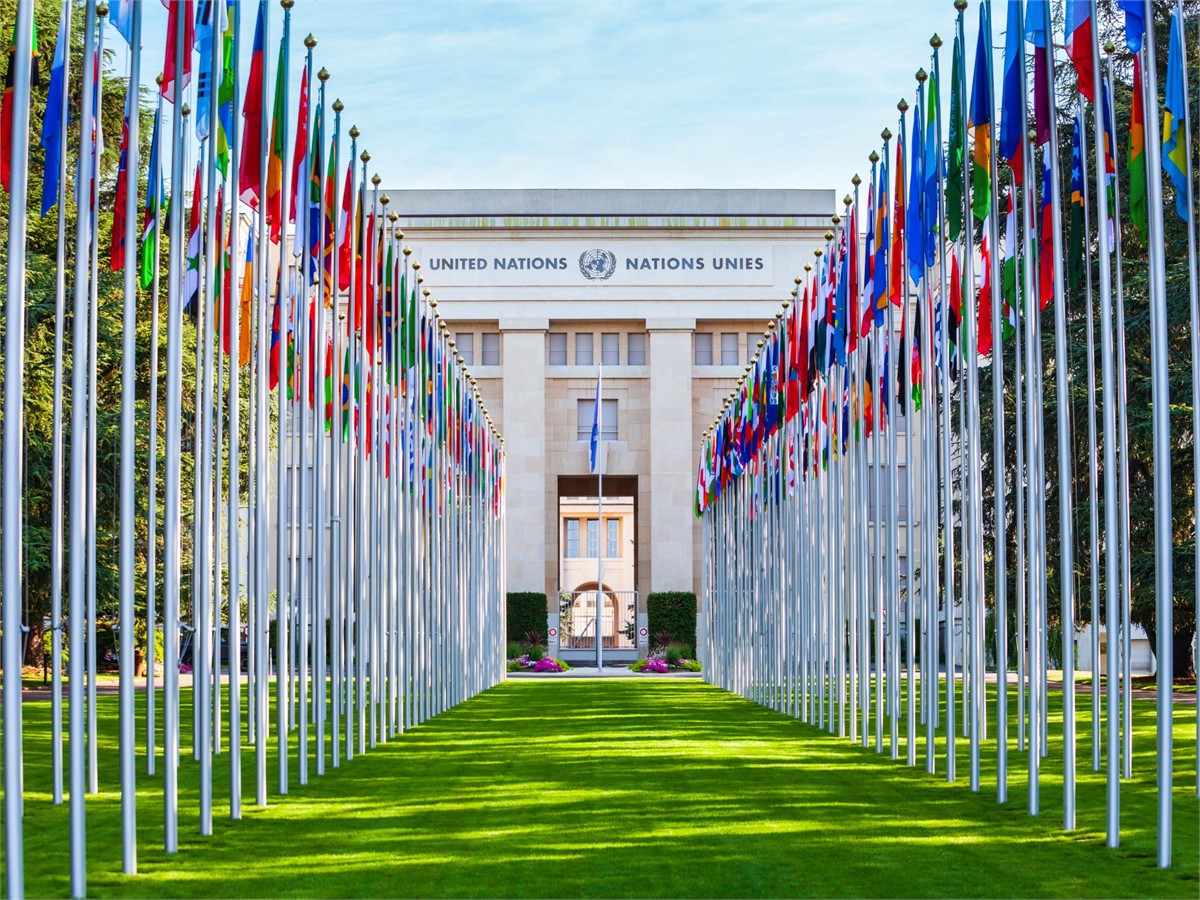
(673, 611)
(526, 612)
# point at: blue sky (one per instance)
(612, 94)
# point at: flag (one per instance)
(155, 195)
(896, 254)
(1037, 21)
(956, 150)
(981, 121)
(868, 312)
(879, 267)
(274, 363)
(954, 323)
(345, 247)
(120, 14)
(53, 126)
(7, 101)
(315, 168)
(902, 372)
(931, 171)
(869, 393)
(205, 26)
(300, 155)
(175, 11)
(1046, 240)
(1174, 148)
(274, 209)
(227, 87)
(1078, 33)
(1075, 256)
(1135, 24)
(1137, 152)
(191, 281)
(1009, 281)
(1012, 96)
(984, 320)
(329, 382)
(1110, 159)
(250, 162)
(116, 244)
(246, 316)
(916, 359)
(915, 246)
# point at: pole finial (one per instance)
(338, 106)
(310, 41)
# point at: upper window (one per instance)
(558, 348)
(491, 349)
(612, 538)
(572, 538)
(610, 349)
(593, 538)
(465, 344)
(583, 349)
(729, 349)
(704, 350)
(635, 349)
(752, 340)
(608, 419)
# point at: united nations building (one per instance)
(666, 294)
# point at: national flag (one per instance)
(329, 382)
(957, 149)
(300, 154)
(227, 87)
(7, 101)
(1079, 39)
(852, 287)
(1012, 96)
(1076, 270)
(191, 281)
(902, 373)
(868, 312)
(915, 245)
(879, 295)
(984, 319)
(345, 237)
(120, 14)
(916, 358)
(1037, 25)
(1046, 240)
(954, 323)
(246, 314)
(1174, 147)
(116, 244)
(869, 392)
(1135, 23)
(274, 210)
(275, 363)
(181, 9)
(1137, 152)
(155, 197)
(205, 27)
(1009, 281)
(1110, 159)
(53, 124)
(981, 121)
(931, 171)
(250, 161)
(897, 289)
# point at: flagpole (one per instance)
(14, 423)
(337, 577)
(128, 371)
(322, 482)
(1160, 393)
(233, 541)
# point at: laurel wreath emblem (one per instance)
(597, 265)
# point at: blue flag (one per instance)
(1012, 97)
(53, 124)
(1135, 24)
(915, 243)
(595, 444)
(1174, 148)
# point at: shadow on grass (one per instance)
(623, 788)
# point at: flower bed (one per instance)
(659, 665)
(545, 664)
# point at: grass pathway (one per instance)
(622, 787)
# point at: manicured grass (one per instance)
(626, 787)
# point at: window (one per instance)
(752, 340)
(465, 343)
(635, 349)
(572, 538)
(729, 348)
(704, 355)
(901, 503)
(583, 349)
(608, 419)
(610, 349)
(491, 349)
(593, 538)
(612, 538)
(558, 348)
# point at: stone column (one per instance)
(671, 454)
(523, 359)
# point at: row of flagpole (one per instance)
(804, 454)
(386, 570)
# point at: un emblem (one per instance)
(597, 265)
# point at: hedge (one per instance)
(673, 611)
(526, 613)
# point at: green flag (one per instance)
(954, 165)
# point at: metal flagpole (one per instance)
(14, 422)
(322, 481)
(233, 542)
(599, 517)
(128, 371)
(1160, 389)
(336, 571)
(57, 490)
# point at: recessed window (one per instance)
(635, 349)
(583, 349)
(704, 342)
(610, 349)
(729, 348)
(572, 538)
(558, 348)
(593, 538)
(612, 538)
(608, 419)
(491, 349)
(752, 340)
(465, 344)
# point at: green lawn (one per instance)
(626, 787)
